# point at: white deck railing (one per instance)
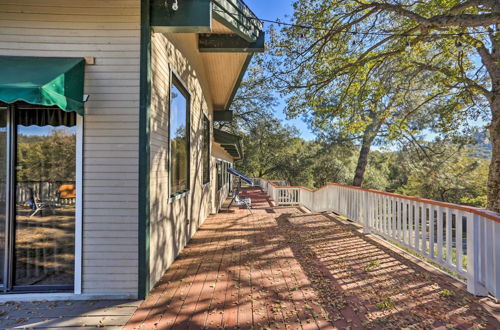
(465, 240)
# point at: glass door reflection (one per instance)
(3, 191)
(45, 189)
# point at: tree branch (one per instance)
(439, 21)
(470, 83)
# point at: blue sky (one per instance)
(273, 9)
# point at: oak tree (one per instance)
(452, 45)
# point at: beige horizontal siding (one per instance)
(108, 30)
(173, 224)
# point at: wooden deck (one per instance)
(285, 268)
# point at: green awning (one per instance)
(230, 142)
(48, 81)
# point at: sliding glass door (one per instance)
(3, 194)
(39, 220)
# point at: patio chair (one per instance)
(236, 198)
(243, 201)
(39, 207)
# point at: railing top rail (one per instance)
(482, 212)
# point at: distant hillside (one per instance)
(483, 147)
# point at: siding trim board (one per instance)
(144, 151)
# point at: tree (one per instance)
(452, 176)
(268, 147)
(378, 104)
(253, 101)
(334, 162)
(455, 44)
(49, 158)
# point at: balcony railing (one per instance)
(464, 240)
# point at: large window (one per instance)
(206, 150)
(223, 176)
(179, 138)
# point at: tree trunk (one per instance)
(494, 175)
(368, 137)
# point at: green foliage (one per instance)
(385, 304)
(446, 293)
(372, 264)
(254, 100)
(437, 170)
(385, 71)
(46, 158)
(440, 170)
(449, 174)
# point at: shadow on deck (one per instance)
(283, 268)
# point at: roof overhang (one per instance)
(230, 142)
(228, 36)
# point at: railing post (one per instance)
(495, 246)
(366, 207)
(474, 255)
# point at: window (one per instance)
(206, 150)
(219, 174)
(226, 173)
(223, 176)
(179, 138)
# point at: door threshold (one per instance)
(65, 296)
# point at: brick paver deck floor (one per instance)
(285, 268)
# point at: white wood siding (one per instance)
(108, 30)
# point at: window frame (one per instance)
(218, 168)
(208, 136)
(176, 81)
(11, 141)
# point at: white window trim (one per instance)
(79, 206)
(179, 195)
(210, 125)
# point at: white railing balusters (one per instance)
(440, 234)
(418, 226)
(395, 218)
(401, 221)
(432, 232)
(424, 224)
(406, 229)
(411, 217)
(449, 238)
(459, 241)
(432, 229)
